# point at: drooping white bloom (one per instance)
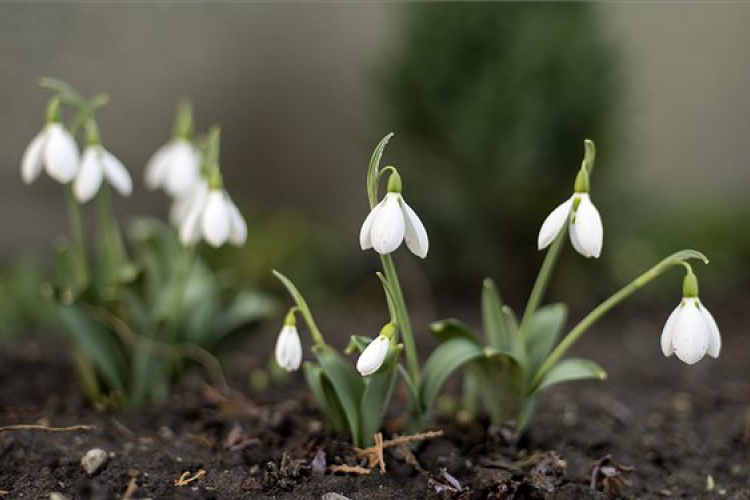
(53, 150)
(289, 349)
(585, 225)
(373, 357)
(97, 165)
(691, 332)
(213, 217)
(175, 167)
(390, 223)
(182, 206)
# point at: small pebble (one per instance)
(57, 496)
(93, 460)
(334, 496)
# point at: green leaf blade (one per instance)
(572, 369)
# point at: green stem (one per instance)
(542, 280)
(402, 315)
(106, 219)
(676, 259)
(76, 229)
(304, 309)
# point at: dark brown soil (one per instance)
(684, 430)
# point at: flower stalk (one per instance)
(676, 259)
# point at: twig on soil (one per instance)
(185, 478)
(132, 486)
(411, 459)
(349, 469)
(375, 456)
(45, 428)
(182, 349)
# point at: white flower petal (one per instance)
(190, 225)
(289, 349)
(714, 341)
(238, 232)
(89, 178)
(553, 224)
(388, 229)
(586, 229)
(667, 334)
(60, 154)
(156, 168)
(415, 235)
(31, 164)
(215, 223)
(183, 170)
(116, 173)
(365, 242)
(692, 333)
(373, 357)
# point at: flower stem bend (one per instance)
(676, 259)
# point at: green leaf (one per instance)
(347, 383)
(572, 369)
(149, 376)
(544, 329)
(377, 395)
(373, 170)
(98, 344)
(325, 395)
(499, 322)
(500, 382)
(447, 329)
(445, 359)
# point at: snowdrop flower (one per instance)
(181, 206)
(175, 166)
(585, 223)
(53, 149)
(213, 217)
(97, 165)
(373, 357)
(391, 222)
(691, 331)
(288, 345)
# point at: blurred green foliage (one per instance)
(133, 335)
(499, 98)
(23, 307)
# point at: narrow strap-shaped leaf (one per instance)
(347, 383)
(572, 369)
(498, 321)
(445, 359)
(98, 344)
(377, 396)
(325, 395)
(447, 329)
(545, 328)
